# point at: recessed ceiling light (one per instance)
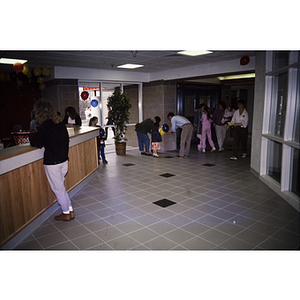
(130, 66)
(194, 52)
(240, 76)
(11, 61)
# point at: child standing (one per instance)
(155, 137)
(206, 120)
(100, 139)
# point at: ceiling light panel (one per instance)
(194, 52)
(12, 61)
(130, 66)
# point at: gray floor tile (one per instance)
(160, 243)
(287, 237)
(274, 244)
(75, 232)
(237, 244)
(215, 236)
(143, 235)
(87, 241)
(63, 246)
(123, 243)
(179, 236)
(251, 236)
(52, 239)
(129, 226)
(29, 245)
(109, 233)
(96, 225)
(197, 243)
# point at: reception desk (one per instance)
(24, 189)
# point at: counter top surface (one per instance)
(23, 148)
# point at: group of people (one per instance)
(222, 120)
(151, 125)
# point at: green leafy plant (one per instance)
(119, 105)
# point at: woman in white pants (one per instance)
(53, 136)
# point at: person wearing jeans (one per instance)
(142, 129)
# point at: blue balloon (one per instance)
(102, 132)
(94, 103)
(165, 127)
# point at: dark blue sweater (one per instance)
(55, 139)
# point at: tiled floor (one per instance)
(218, 206)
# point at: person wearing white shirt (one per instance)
(240, 119)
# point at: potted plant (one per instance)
(119, 105)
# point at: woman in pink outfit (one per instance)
(206, 120)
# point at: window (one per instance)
(296, 129)
(295, 172)
(278, 105)
(274, 160)
(280, 59)
(281, 128)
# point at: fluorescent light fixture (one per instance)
(194, 52)
(11, 61)
(130, 66)
(239, 76)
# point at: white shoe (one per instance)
(220, 149)
(203, 150)
(233, 158)
(244, 155)
(155, 155)
(213, 149)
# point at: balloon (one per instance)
(25, 70)
(37, 72)
(29, 75)
(18, 67)
(102, 132)
(84, 95)
(40, 79)
(46, 72)
(161, 132)
(165, 127)
(42, 86)
(94, 103)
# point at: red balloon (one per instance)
(18, 67)
(84, 95)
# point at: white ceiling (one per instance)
(153, 61)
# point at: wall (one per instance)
(16, 103)
(63, 93)
(258, 110)
(159, 98)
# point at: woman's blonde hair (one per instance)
(44, 110)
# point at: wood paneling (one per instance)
(25, 192)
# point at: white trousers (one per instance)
(56, 178)
(221, 134)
